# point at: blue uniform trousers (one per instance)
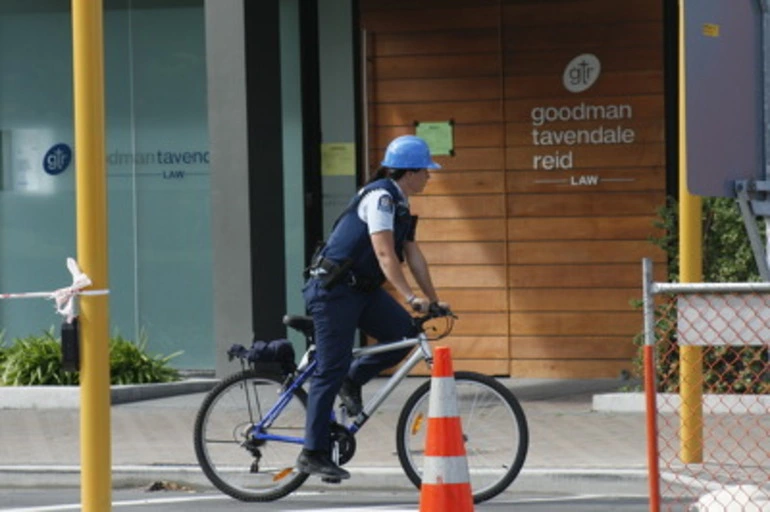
(336, 314)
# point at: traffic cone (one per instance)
(445, 478)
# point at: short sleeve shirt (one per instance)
(378, 208)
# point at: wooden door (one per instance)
(536, 226)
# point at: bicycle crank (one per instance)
(345, 443)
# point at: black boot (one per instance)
(315, 462)
(350, 394)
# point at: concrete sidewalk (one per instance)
(152, 440)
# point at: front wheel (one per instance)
(232, 457)
(494, 430)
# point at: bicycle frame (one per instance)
(423, 353)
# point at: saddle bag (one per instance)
(278, 352)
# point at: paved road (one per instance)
(180, 501)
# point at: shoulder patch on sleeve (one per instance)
(385, 203)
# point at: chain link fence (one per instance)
(708, 395)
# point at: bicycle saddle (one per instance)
(303, 324)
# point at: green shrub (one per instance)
(36, 360)
(3, 348)
(130, 363)
(727, 257)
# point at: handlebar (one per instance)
(434, 311)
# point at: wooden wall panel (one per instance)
(462, 17)
(399, 114)
(476, 299)
(569, 323)
(466, 276)
(540, 260)
(586, 13)
(439, 43)
(560, 299)
(619, 33)
(406, 6)
(462, 230)
(465, 136)
(586, 204)
(581, 253)
(545, 275)
(630, 58)
(449, 207)
(627, 82)
(435, 68)
(580, 228)
(471, 159)
(597, 368)
(464, 253)
(486, 182)
(572, 347)
(620, 179)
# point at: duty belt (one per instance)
(331, 273)
(363, 283)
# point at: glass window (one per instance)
(157, 165)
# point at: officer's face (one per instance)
(420, 179)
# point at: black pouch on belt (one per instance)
(331, 273)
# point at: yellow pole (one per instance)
(88, 69)
(690, 271)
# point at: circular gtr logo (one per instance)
(57, 159)
(582, 72)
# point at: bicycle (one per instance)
(249, 429)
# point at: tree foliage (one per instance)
(727, 257)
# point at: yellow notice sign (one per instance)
(710, 30)
(338, 159)
(439, 136)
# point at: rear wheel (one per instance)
(237, 463)
(494, 429)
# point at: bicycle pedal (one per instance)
(331, 480)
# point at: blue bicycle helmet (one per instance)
(409, 152)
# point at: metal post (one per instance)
(649, 303)
(691, 263)
(88, 72)
(763, 8)
(650, 390)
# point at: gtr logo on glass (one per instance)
(57, 159)
(582, 72)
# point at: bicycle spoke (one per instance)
(494, 432)
(246, 467)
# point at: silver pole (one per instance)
(649, 302)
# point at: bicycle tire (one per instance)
(494, 429)
(224, 449)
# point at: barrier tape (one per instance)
(64, 297)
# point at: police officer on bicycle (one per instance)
(366, 247)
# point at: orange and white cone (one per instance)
(445, 478)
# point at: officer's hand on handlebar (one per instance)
(440, 308)
(420, 304)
